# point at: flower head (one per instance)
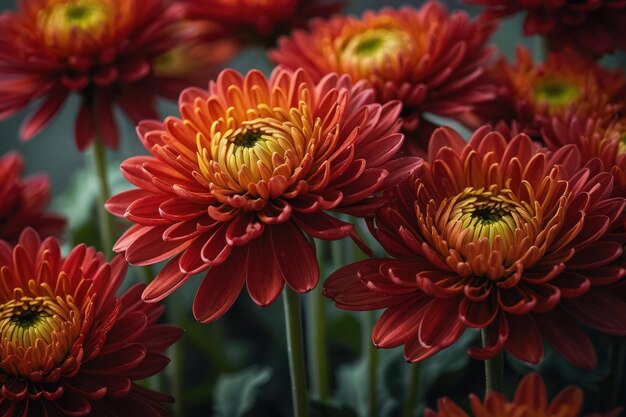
(429, 59)
(531, 399)
(239, 185)
(595, 138)
(69, 346)
(106, 51)
(532, 94)
(261, 20)
(594, 27)
(23, 202)
(496, 235)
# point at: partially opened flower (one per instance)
(261, 21)
(106, 51)
(530, 400)
(431, 60)
(23, 202)
(531, 94)
(68, 345)
(239, 186)
(494, 235)
(594, 27)
(595, 138)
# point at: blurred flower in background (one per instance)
(110, 52)
(600, 138)
(531, 399)
(592, 27)
(530, 94)
(69, 346)
(430, 59)
(238, 186)
(495, 235)
(261, 21)
(23, 202)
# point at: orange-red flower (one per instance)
(240, 184)
(261, 21)
(531, 400)
(68, 345)
(532, 94)
(594, 27)
(429, 59)
(23, 202)
(107, 51)
(595, 138)
(496, 235)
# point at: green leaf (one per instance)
(235, 394)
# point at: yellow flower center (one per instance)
(249, 147)
(622, 143)
(556, 93)
(374, 45)
(64, 23)
(37, 332)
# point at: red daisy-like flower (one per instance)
(431, 60)
(595, 138)
(495, 235)
(68, 345)
(531, 400)
(240, 184)
(107, 51)
(261, 21)
(531, 94)
(594, 27)
(23, 202)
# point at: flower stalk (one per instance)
(317, 341)
(295, 352)
(494, 367)
(371, 356)
(105, 220)
(412, 390)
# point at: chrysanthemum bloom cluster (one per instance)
(241, 183)
(594, 27)
(494, 235)
(261, 21)
(532, 94)
(595, 138)
(68, 345)
(23, 202)
(531, 400)
(107, 51)
(429, 59)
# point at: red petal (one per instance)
(264, 278)
(220, 287)
(524, 341)
(165, 282)
(44, 114)
(296, 257)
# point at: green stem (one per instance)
(615, 372)
(371, 356)
(147, 274)
(106, 221)
(412, 388)
(494, 368)
(317, 351)
(295, 351)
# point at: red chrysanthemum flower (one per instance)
(532, 94)
(68, 345)
(496, 235)
(240, 184)
(107, 51)
(594, 27)
(23, 202)
(595, 138)
(531, 400)
(429, 59)
(261, 21)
